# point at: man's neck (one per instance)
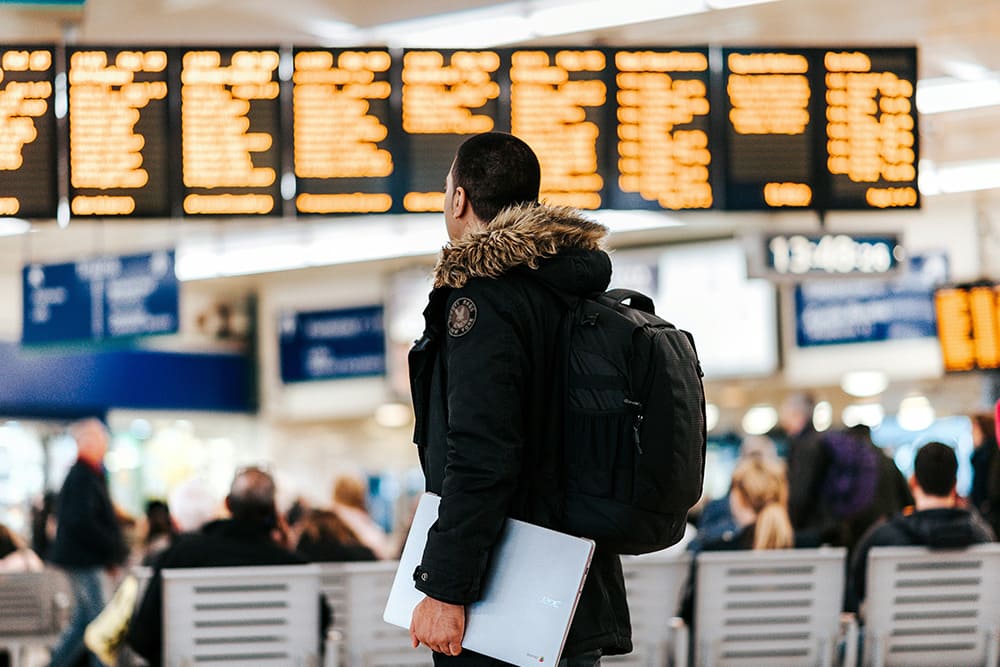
(926, 502)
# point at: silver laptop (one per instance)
(529, 594)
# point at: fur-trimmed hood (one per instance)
(518, 236)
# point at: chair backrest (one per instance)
(654, 587)
(768, 607)
(368, 640)
(27, 604)
(928, 607)
(267, 615)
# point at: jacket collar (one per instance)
(517, 236)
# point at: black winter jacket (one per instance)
(488, 404)
(946, 528)
(88, 534)
(223, 543)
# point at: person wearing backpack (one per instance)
(488, 392)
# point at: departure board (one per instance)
(341, 117)
(769, 136)
(871, 121)
(28, 184)
(447, 96)
(119, 132)
(557, 99)
(230, 132)
(662, 143)
(969, 327)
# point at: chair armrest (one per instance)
(679, 641)
(849, 631)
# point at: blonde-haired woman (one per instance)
(759, 502)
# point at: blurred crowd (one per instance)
(833, 488)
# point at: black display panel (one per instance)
(446, 97)
(119, 132)
(770, 114)
(662, 143)
(28, 158)
(558, 101)
(343, 153)
(871, 128)
(230, 132)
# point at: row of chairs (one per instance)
(773, 608)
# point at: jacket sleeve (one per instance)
(486, 366)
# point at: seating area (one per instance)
(773, 608)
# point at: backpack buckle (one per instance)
(590, 319)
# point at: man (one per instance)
(88, 538)
(487, 397)
(938, 522)
(807, 464)
(249, 537)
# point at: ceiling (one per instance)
(955, 39)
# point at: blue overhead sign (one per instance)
(332, 344)
(867, 310)
(100, 298)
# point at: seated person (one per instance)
(758, 499)
(326, 539)
(937, 521)
(252, 536)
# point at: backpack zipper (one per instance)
(635, 406)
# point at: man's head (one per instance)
(91, 440)
(491, 172)
(796, 413)
(935, 471)
(251, 497)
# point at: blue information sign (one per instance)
(332, 344)
(869, 310)
(100, 298)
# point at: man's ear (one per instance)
(229, 506)
(459, 203)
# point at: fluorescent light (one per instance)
(822, 416)
(864, 383)
(14, 226)
(915, 413)
(597, 14)
(711, 416)
(633, 221)
(760, 419)
(958, 177)
(947, 94)
(393, 415)
(869, 414)
(475, 28)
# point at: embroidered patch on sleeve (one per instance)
(461, 317)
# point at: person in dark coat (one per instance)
(486, 395)
(985, 493)
(88, 538)
(251, 536)
(807, 464)
(937, 521)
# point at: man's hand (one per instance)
(439, 626)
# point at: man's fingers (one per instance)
(455, 649)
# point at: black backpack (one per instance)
(634, 424)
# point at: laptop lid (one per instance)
(529, 595)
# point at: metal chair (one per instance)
(29, 614)
(774, 608)
(654, 586)
(935, 608)
(239, 616)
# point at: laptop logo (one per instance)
(555, 604)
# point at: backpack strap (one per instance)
(637, 300)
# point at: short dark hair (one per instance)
(936, 469)
(251, 496)
(496, 170)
